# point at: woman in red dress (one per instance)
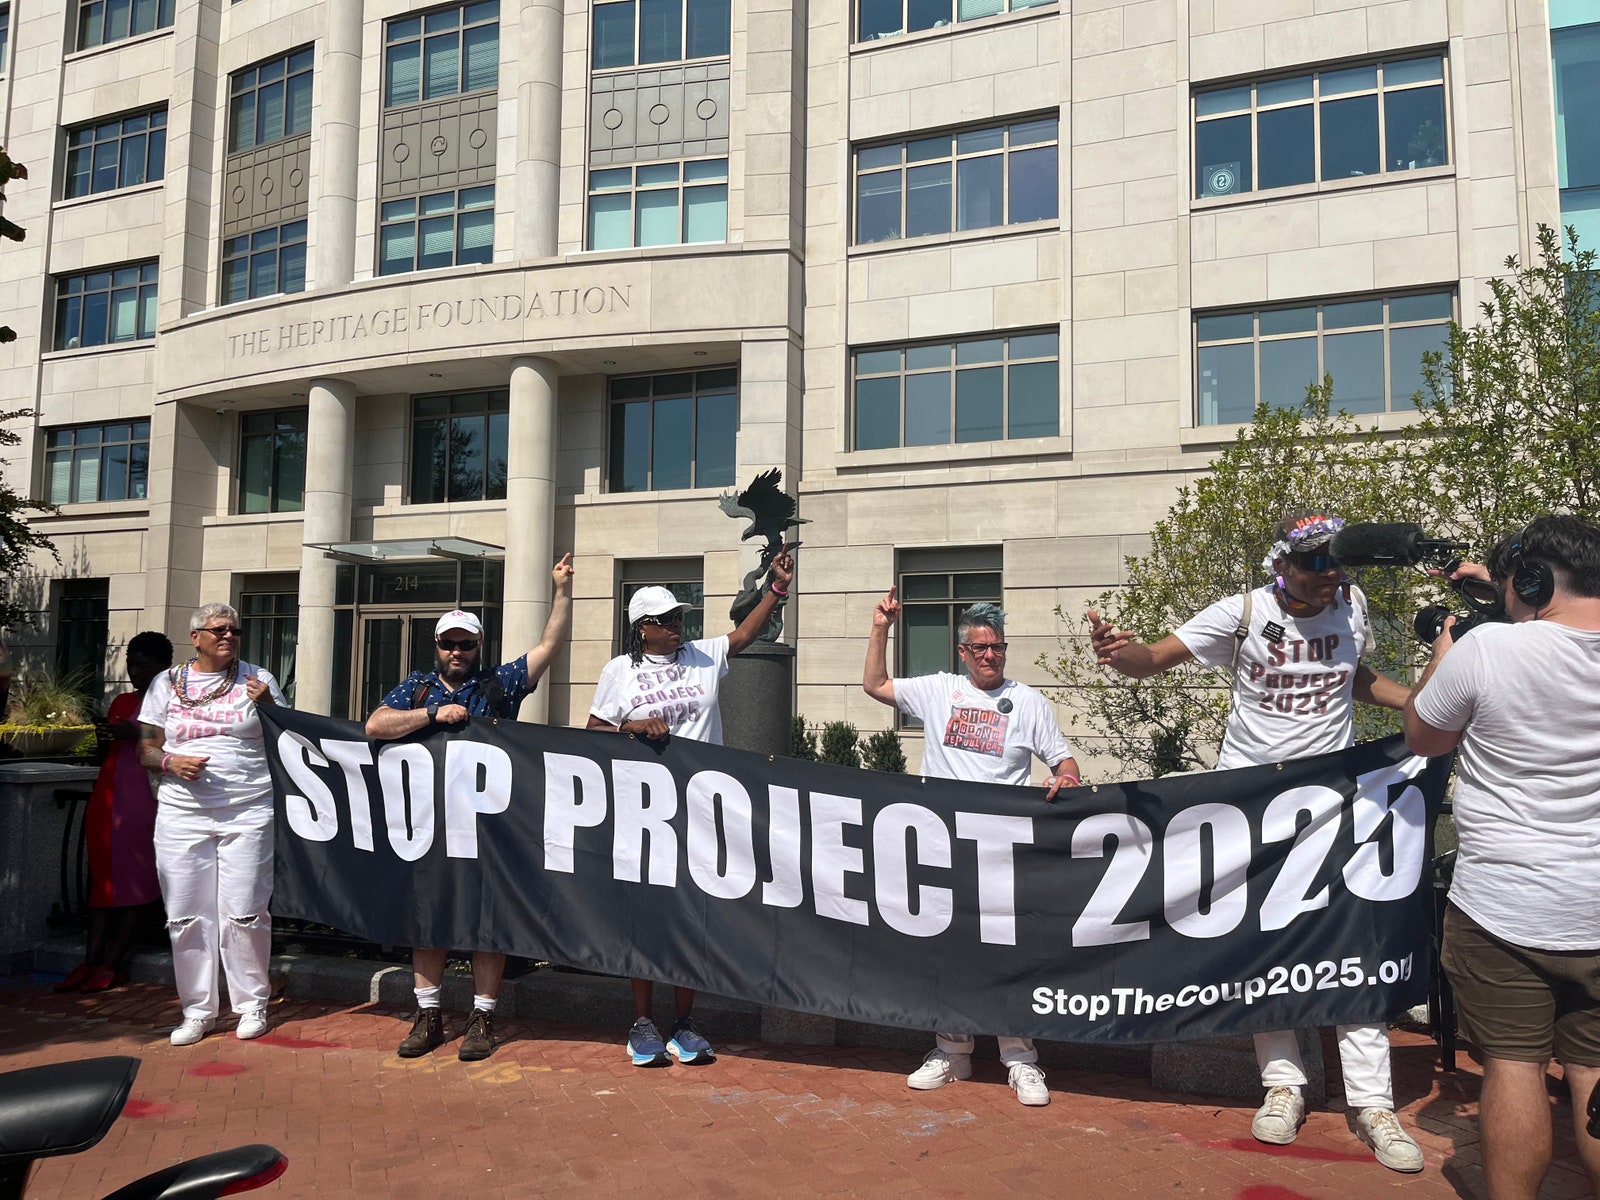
(119, 829)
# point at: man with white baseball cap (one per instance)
(453, 691)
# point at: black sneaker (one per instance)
(427, 1031)
(477, 1043)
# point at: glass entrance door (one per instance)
(384, 617)
(392, 646)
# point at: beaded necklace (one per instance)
(181, 692)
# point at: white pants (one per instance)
(215, 868)
(1363, 1057)
(1013, 1050)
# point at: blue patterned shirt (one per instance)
(421, 689)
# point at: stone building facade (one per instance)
(349, 311)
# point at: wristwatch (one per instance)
(433, 714)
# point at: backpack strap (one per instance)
(420, 692)
(1242, 630)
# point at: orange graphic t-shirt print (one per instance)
(978, 730)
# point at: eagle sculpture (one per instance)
(769, 513)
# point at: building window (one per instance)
(683, 577)
(272, 461)
(1575, 54)
(97, 462)
(972, 179)
(1349, 123)
(271, 621)
(5, 36)
(446, 52)
(116, 154)
(674, 431)
(976, 390)
(270, 101)
(891, 18)
(1372, 347)
(99, 308)
(458, 447)
(935, 588)
(446, 229)
(268, 262)
(102, 21)
(659, 204)
(83, 628)
(629, 33)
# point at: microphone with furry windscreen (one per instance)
(1402, 544)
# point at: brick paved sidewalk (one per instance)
(558, 1109)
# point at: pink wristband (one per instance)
(165, 759)
(1068, 780)
(776, 591)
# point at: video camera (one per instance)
(1369, 544)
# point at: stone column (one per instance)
(339, 94)
(330, 468)
(530, 515)
(539, 40)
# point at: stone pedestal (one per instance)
(33, 828)
(1227, 1067)
(757, 699)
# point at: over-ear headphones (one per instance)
(1533, 582)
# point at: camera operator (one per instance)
(1521, 701)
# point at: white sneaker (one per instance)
(191, 1031)
(1279, 1119)
(1027, 1081)
(251, 1025)
(938, 1069)
(1391, 1145)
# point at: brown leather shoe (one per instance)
(427, 1031)
(477, 1043)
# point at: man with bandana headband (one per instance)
(1297, 672)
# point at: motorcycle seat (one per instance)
(61, 1108)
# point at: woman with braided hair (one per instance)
(202, 736)
(666, 687)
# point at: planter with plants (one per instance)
(47, 715)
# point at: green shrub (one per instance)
(839, 744)
(802, 741)
(882, 752)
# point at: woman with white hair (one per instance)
(213, 837)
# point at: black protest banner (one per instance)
(1267, 898)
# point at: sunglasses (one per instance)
(221, 631)
(468, 644)
(1314, 560)
(670, 619)
(981, 649)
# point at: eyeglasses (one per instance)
(983, 649)
(1314, 560)
(467, 644)
(221, 631)
(670, 619)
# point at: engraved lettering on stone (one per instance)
(442, 313)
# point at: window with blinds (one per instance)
(97, 462)
(447, 52)
(443, 229)
(270, 101)
(98, 308)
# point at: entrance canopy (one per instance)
(408, 550)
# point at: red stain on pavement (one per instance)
(136, 1108)
(215, 1070)
(296, 1043)
(1271, 1191)
(1314, 1153)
